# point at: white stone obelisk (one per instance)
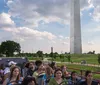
(75, 28)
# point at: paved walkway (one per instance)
(94, 65)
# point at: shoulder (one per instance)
(52, 79)
(82, 83)
(44, 76)
(35, 73)
(69, 81)
(6, 81)
(65, 81)
(94, 82)
(20, 80)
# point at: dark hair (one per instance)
(27, 64)
(52, 65)
(63, 66)
(58, 69)
(11, 74)
(72, 73)
(2, 66)
(38, 63)
(87, 72)
(28, 79)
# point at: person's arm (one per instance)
(42, 82)
(5, 82)
(0, 78)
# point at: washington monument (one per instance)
(75, 28)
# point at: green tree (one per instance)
(55, 55)
(40, 54)
(93, 51)
(99, 58)
(62, 57)
(46, 54)
(69, 58)
(9, 47)
(90, 52)
(34, 55)
(52, 56)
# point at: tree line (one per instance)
(10, 48)
(13, 49)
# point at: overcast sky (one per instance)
(42, 24)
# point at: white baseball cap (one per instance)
(12, 63)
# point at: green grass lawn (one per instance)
(89, 58)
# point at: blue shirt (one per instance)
(46, 79)
(10, 83)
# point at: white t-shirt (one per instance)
(6, 70)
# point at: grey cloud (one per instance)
(36, 10)
(33, 11)
(27, 33)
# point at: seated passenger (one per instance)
(39, 73)
(66, 74)
(73, 79)
(89, 79)
(58, 80)
(14, 78)
(30, 68)
(49, 74)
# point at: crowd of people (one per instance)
(39, 73)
